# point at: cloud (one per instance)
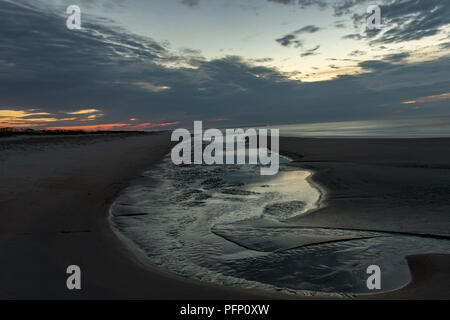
(84, 111)
(353, 36)
(433, 98)
(346, 7)
(32, 117)
(283, 1)
(303, 3)
(445, 45)
(403, 20)
(413, 19)
(340, 25)
(397, 57)
(307, 29)
(23, 117)
(262, 60)
(310, 52)
(356, 53)
(289, 40)
(340, 7)
(151, 87)
(190, 3)
(118, 72)
(292, 39)
(375, 65)
(20, 114)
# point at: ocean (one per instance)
(430, 127)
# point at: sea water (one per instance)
(228, 224)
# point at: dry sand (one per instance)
(55, 195)
(54, 201)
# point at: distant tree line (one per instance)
(9, 131)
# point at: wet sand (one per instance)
(56, 193)
(392, 185)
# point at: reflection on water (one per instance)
(228, 224)
(398, 128)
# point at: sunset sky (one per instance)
(144, 65)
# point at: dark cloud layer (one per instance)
(404, 20)
(48, 67)
(413, 19)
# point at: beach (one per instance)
(56, 194)
(54, 204)
(393, 185)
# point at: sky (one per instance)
(146, 65)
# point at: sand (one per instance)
(56, 193)
(430, 279)
(394, 185)
(54, 206)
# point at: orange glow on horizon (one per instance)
(112, 126)
(95, 127)
(19, 126)
(148, 125)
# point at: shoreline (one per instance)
(298, 294)
(59, 232)
(260, 290)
